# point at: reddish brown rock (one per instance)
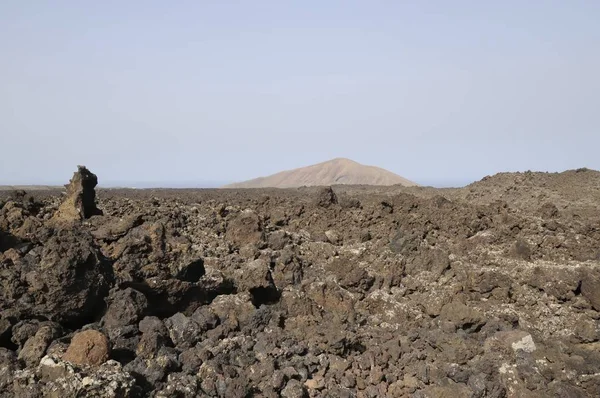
(88, 348)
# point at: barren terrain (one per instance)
(491, 290)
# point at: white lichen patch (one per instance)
(526, 344)
(506, 368)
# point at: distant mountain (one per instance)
(332, 172)
(30, 187)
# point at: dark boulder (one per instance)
(326, 197)
(67, 283)
(126, 307)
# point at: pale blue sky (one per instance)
(441, 92)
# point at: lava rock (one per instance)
(180, 385)
(245, 228)
(191, 271)
(184, 331)
(326, 197)
(8, 366)
(35, 347)
(521, 250)
(152, 324)
(590, 288)
(61, 379)
(278, 240)
(80, 202)
(69, 282)
(293, 389)
(234, 309)
(205, 318)
(462, 316)
(548, 210)
(126, 307)
(154, 370)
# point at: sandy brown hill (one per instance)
(332, 172)
(30, 187)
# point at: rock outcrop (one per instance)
(80, 200)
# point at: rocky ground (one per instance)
(492, 290)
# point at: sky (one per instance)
(200, 93)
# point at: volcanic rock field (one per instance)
(491, 290)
